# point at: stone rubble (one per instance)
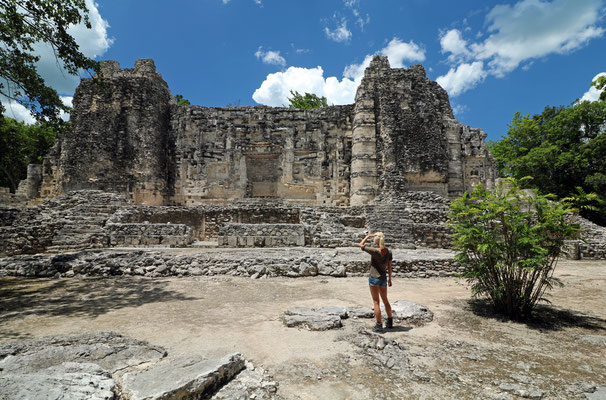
(291, 262)
(108, 366)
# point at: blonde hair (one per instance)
(380, 240)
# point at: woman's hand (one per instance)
(389, 282)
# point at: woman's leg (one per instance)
(374, 292)
(383, 293)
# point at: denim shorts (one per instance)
(377, 281)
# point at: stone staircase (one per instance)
(83, 227)
(81, 217)
(393, 220)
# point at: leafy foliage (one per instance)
(307, 101)
(508, 241)
(181, 101)
(600, 84)
(22, 144)
(562, 148)
(23, 24)
(580, 200)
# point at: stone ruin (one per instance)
(139, 170)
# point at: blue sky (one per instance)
(494, 58)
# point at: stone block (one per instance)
(191, 377)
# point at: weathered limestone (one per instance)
(66, 381)
(248, 263)
(191, 377)
(108, 366)
(329, 317)
(129, 136)
(261, 235)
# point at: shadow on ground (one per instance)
(544, 317)
(88, 297)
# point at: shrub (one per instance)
(509, 241)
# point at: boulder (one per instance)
(315, 319)
(410, 312)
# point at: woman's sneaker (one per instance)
(378, 327)
(389, 324)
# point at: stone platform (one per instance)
(256, 263)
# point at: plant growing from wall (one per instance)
(181, 101)
(509, 241)
(307, 101)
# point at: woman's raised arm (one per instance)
(363, 242)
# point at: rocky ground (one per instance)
(464, 352)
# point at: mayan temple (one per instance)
(139, 170)
(129, 136)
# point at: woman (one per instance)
(380, 277)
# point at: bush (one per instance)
(509, 241)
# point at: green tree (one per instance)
(580, 200)
(22, 144)
(562, 148)
(307, 101)
(600, 84)
(23, 24)
(181, 101)
(509, 241)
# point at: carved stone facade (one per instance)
(129, 136)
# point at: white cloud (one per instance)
(593, 94)
(21, 113)
(452, 42)
(93, 43)
(462, 78)
(521, 33)
(275, 90)
(17, 111)
(340, 33)
(270, 57)
(396, 51)
(354, 6)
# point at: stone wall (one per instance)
(146, 235)
(261, 235)
(129, 136)
(252, 152)
(406, 138)
(292, 264)
(119, 140)
(205, 221)
(73, 221)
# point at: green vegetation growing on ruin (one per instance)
(306, 101)
(181, 101)
(563, 149)
(508, 241)
(22, 144)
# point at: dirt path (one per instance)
(463, 353)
